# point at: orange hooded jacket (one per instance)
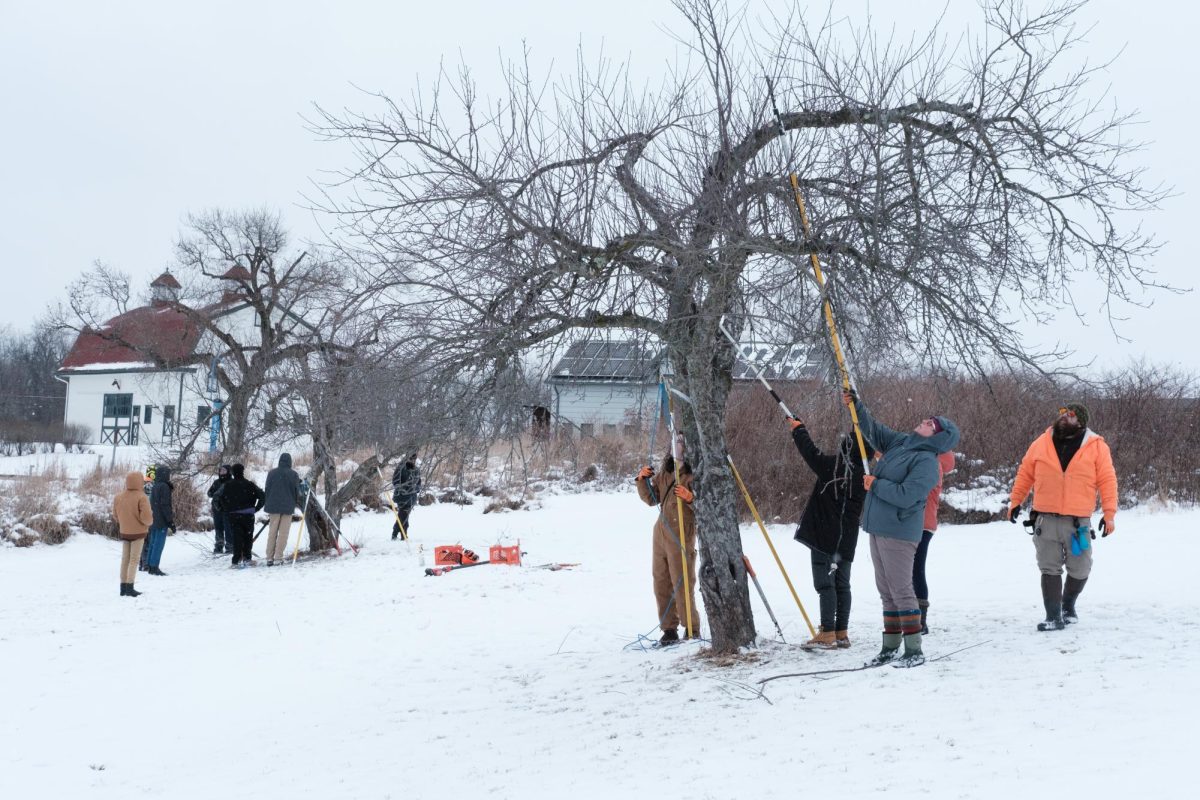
(1071, 492)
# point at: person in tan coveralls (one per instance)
(132, 511)
(667, 564)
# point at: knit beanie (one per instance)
(1081, 413)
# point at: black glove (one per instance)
(1103, 529)
(1013, 514)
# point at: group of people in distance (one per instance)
(143, 519)
(896, 503)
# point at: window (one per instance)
(168, 421)
(202, 415)
(146, 415)
(587, 429)
(118, 405)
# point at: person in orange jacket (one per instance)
(1065, 468)
(667, 564)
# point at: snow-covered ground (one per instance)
(362, 678)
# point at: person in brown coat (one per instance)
(667, 564)
(132, 511)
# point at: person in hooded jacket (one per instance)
(893, 514)
(829, 528)
(406, 486)
(1065, 468)
(164, 518)
(241, 499)
(932, 503)
(222, 536)
(283, 497)
(131, 508)
(666, 560)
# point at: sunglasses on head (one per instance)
(1066, 412)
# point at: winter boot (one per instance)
(913, 657)
(130, 591)
(890, 651)
(156, 571)
(124, 589)
(1070, 595)
(843, 639)
(825, 640)
(670, 636)
(924, 604)
(1052, 592)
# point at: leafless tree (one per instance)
(953, 190)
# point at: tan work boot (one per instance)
(825, 640)
(843, 639)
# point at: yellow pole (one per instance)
(687, 589)
(394, 507)
(303, 519)
(833, 334)
(770, 544)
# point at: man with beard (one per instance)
(1065, 468)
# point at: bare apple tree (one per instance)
(953, 190)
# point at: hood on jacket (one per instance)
(238, 471)
(223, 473)
(133, 481)
(944, 440)
(285, 460)
(162, 475)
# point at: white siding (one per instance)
(85, 399)
(604, 403)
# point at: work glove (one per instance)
(1107, 527)
(685, 494)
(645, 472)
(849, 397)
(795, 423)
(867, 481)
(1013, 514)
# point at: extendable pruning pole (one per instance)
(762, 527)
(687, 590)
(757, 371)
(763, 595)
(303, 519)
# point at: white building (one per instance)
(144, 377)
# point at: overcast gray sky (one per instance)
(121, 117)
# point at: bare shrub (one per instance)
(102, 524)
(190, 505)
(35, 496)
(50, 529)
(504, 504)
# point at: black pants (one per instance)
(919, 585)
(242, 528)
(404, 511)
(834, 591)
(222, 534)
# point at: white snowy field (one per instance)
(362, 678)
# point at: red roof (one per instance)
(159, 335)
(166, 279)
(237, 273)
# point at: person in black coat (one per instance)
(241, 499)
(406, 486)
(164, 518)
(829, 528)
(222, 534)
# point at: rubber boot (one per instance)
(1052, 593)
(1070, 595)
(890, 651)
(913, 657)
(670, 636)
(924, 604)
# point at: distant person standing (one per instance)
(932, 504)
(222, 536)
(1065, 468)
(241, 499)
(283, 497)
(406, 486)
(161, 495)
(131, 508)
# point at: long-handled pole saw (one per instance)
(300, 533)
(763, 595)
(762, 527)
